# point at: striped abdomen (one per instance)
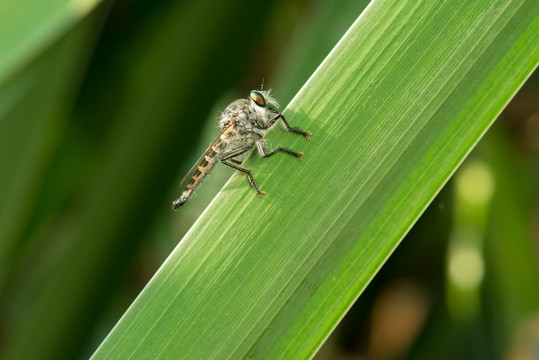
(211, 157)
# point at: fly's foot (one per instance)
(300, 155)
(261, 193)
(308, 135)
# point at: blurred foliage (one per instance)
(100, 116)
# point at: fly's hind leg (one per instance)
(228, 159)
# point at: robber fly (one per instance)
(243, 124)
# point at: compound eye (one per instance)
(258, 98)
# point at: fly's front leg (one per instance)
(261, 145)
(228, 160)
(307, 134)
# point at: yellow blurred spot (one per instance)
(466, 267)
(475, 183)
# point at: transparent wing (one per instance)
(197, 163)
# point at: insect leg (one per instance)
(307, 134)
(228, 160)
(261, 145)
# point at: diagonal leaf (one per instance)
(395, 108)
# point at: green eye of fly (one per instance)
(258, 98)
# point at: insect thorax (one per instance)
(245, 118)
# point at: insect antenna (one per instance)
(197, 163)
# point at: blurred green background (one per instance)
(103, 108)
